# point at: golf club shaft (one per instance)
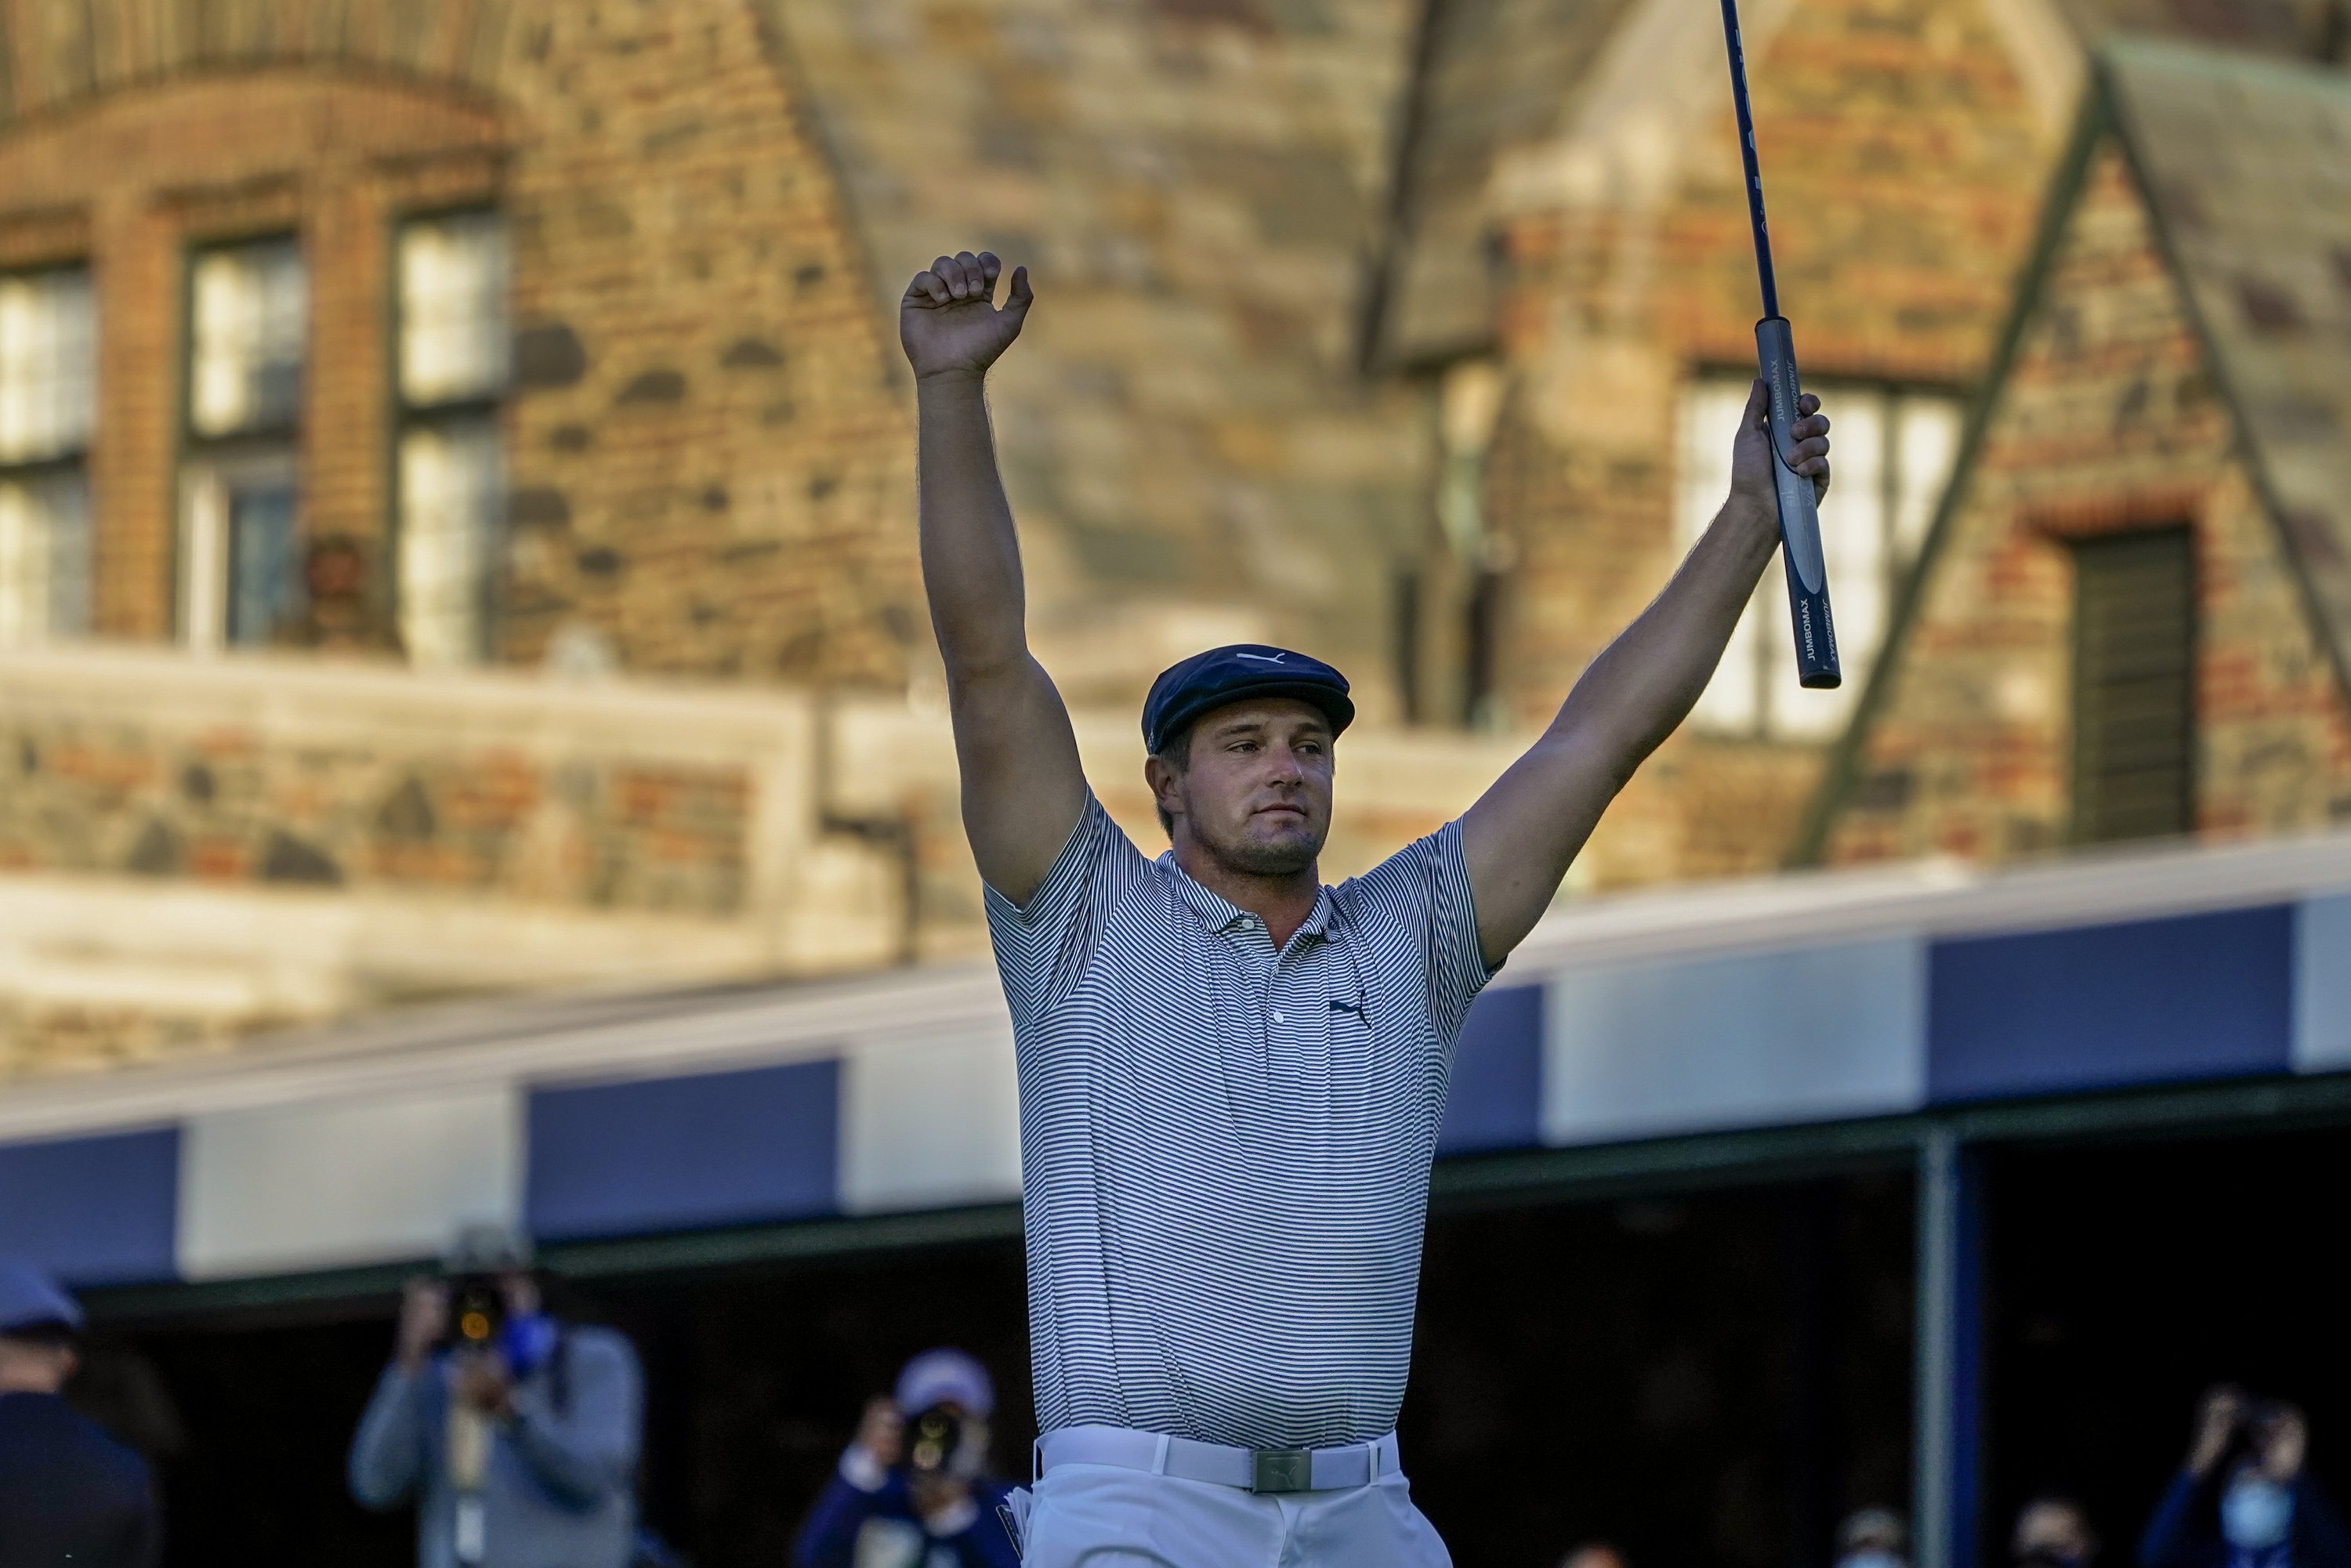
(1775, 355)
(1747, 157)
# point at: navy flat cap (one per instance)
(29, 1299)
(1222, 676)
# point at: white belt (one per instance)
(1254, 1469)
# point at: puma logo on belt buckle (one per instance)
(1281, 1470)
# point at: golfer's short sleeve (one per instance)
(1042, 945)
(1417, 905)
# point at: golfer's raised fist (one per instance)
(948, 322)
(1750, 455)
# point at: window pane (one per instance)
(1710, 421)
(1926, 444)
(265, 576)
(45, 559)
(449, 505)
(47, 369)
(250, 305)
(453, 308)
(1894, 456)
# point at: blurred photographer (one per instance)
(517, 1434)
(70, 1494)
(2244, 1498)
(912, 1490)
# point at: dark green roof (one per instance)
(1494, 76)
(2246, 165)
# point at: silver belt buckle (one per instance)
(1281, 1470)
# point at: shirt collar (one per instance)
(1221, 913)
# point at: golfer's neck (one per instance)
(1283, 903)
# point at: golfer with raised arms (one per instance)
(1231, 1076)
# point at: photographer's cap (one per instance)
(30, 1300)
(486, 1249)
(942, 1376)
(1230, 675)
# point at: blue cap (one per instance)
(1244, 670)
(29, 1300)
(942, 1376)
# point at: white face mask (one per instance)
(1871, 1557)
(2255, 1512)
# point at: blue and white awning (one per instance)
(1799, 1000)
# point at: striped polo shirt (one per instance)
(1225, 1151)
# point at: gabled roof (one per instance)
(1496, 76)
(2281, 29)
(1493, 75)
(2244, 165)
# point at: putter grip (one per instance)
(1800, 519)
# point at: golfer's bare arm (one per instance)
(1523, 833)
(1022, 789)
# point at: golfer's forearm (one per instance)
(1645, 683)
(1522, 835)
(971, 556)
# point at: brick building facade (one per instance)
(701, 465)
(401, 406)
(2174, 371)
(454, 481)
(1574, 270)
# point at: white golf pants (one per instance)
(1101, 1516)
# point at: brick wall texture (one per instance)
(707, 466)
(714, 204)
(1905, 157)
(2109, 419)
(1906, 164)
(1200, 188)
(226, 806)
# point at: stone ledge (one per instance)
(99, 972)
(322, 699)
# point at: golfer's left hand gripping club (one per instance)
(1775, 354)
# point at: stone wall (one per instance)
(365, 836)
(220, 806)
(2109, 419)
(710, 462)
(1200, 191)
(196, 850)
